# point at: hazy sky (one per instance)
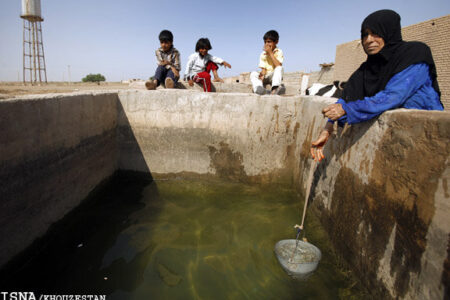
(118, 38)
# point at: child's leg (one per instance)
(172, 76)
(268, 79)
(205, 79)
(213, 67)
(210, 66)
(277, 76)
(256, 82)
(170, 80)
(160, 74)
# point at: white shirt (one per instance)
(197, 64)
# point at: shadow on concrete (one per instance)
(130, 156)
(182, 85)
(341, 143)
(69, 258)
(82, 252)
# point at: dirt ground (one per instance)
(13, 89)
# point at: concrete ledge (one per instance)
(218, 87)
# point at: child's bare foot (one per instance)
(151, 85)
(169, 83)
(218, 80)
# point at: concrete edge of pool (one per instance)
(382, 189)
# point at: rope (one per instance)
(300, 227)
(308, 190)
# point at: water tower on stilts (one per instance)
(33, 46)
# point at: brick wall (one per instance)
(324, 76)
(434, 33)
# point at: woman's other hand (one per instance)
(317, 145)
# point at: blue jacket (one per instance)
(411, 88)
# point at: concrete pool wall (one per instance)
(54, 150)
(381, 193)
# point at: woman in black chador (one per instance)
(396, 74)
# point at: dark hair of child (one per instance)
(271, 35)
(166, 36)
(203, 43)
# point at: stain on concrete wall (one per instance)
(400, 195)
(227, 163)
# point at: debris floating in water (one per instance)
(169, 277)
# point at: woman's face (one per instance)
(372, 42)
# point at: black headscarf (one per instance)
(396, 55)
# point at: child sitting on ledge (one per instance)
(271, 64)
(168, 59)
(201, 63)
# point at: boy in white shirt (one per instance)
(270, 62)
(201, 63)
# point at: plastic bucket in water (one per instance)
(304, 261)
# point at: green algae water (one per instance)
(178, 239)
